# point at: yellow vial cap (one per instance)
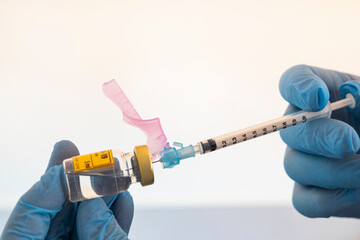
(145, 165)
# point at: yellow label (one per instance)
(93, 161)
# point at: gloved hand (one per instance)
(322, 154)
(44, 211)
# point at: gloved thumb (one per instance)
(95, 220)
(34, 211)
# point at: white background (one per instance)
(204, 67)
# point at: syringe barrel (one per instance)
(261, 129)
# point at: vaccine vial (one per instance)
(107, 172)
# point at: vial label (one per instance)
(93, 161)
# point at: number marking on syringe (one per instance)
(284, 122)
(256, 131)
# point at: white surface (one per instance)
(204, 67)
(274, 223)
(255, 223)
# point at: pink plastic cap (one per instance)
(156, 139)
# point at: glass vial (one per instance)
(107, 172)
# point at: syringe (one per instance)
(171, 156)
(271, 126)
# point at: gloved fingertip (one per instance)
(290, 162)
(97, 207)
(323, 97)
(123, 209)
(301, 87)
(62, 150)
(92, 212)
(313, 94)
(126, 199)
(319, 202)
(345, 141)
(354, 142)
(305, 201)
(65, 145)
(95, 219)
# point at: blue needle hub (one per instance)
(171, 156)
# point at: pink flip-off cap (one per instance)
(156, 139)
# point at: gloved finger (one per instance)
(310, 88)
(319, 202)
(95, 220)
(62, 150)
(121, 204)
(123, 209)
(308, 169)
(34, 211)
(324, 137)
(333, 80)
(109, 201)
(301, 87)
(63, 223)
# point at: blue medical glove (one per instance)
(44, 211)
(322, 154)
